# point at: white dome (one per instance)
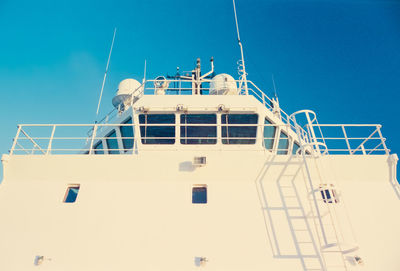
(127, 86)
(223, 84)
(125, 90)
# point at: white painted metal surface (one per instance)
(331, 204)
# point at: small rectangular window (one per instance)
(233, 133)
(328, 193)
(127, 134)
(296, 146)
(72, 193)
(112, 143)
(98, 148)
(153, 132)
(269, 134)
(196, 134)
(199, 194)
(283, 144)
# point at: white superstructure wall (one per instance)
(135, 212)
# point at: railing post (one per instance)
(313, 137)
(51, 140)
(378, 127)
(15, 140)
(363, 149)
(347, 140)
(93, 137)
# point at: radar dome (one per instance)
(125, 90)
(223, 84)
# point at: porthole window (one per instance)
(72, 193)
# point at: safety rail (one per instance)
(350, 140)
(73, 139)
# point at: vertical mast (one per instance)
(243, 66)
(105, 74)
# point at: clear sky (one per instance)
(338, 58)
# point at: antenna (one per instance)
(144, 72)
(273, 83)
(243, 71)
(105, 74)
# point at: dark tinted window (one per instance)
(153, 132)
(198, 134)
(98, 148)
(239, 134)
(283, 144)
(127, 134)
(296, 146)
(269, 134)
(112, 143)
(199, 195)
(72, 194)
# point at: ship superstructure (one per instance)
(199, 172)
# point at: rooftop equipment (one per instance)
(125, 93)
(223, 84)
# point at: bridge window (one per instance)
(127, 134)
(296, 146)
(98, 148)
(157, 128)
(199, 194)
(233, 132)
(198, 134)
(112, 143)
(269, 134)
(72, 193)
(283, 145)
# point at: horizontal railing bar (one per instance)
(355, 125)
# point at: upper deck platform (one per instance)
(166, 114)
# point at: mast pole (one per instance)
(244, 75)
(105, 74)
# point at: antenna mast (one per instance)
(243, 66)
(105, 74)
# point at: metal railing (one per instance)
(49, 139)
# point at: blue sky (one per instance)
(338, 58)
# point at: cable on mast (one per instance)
(105, 74)
(242, 65)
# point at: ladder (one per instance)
(322, 200)
(301, 230)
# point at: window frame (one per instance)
(274, 126)
(183, 134)
(123, 139)
(201, 200)
(70, 188)
(108, 138)
(283, 151)
(237, 140)
(169, 140)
